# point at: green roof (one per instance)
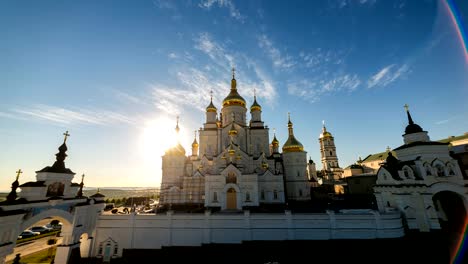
(377, 156)
(453, 138)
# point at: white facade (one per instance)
(411, 181)
(234, 166)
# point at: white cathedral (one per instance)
(235, 165)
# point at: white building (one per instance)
(233, 165)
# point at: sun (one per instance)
(158, 135)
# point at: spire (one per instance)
(290, 125)
(12, 195)
(255, 106)
(411, 127)
(275, 141)
(292, 144)
(59, 164)
(177, 129)
(324, 133)
(80, 191)
(195, 139)
(233, 81)
(410, 120)
(211, 107)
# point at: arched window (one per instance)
(428, 169)
(215, 196)
(275, 195)
(262, 195)
(300, 192)
(331, 153)
(440, 170)
(247, 197)
(451, 172)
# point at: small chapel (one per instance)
(233, 165)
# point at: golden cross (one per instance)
(195, 134)
(255, 92)
(323, 122)
(289, 116)
(211, 94)
(82, 177)
(274, 131)
(233, 72)
(406, 106)
(66, 135)
(18, 172)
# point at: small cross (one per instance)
(195, 134)
(289, 116)
(323, 122)
(211, 94)
(18, 172)
(82, 177)
(274, 131)
(255, 92)
(233, 72)
(66, 135)
(406, 106)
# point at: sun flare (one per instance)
(159, 135)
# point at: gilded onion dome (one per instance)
(275, 142)
(255, 106)
(292, 144)
(195, 143)
(233, 97)
(211, 107)
(325, 133)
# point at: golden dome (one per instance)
(255, 106)
(292, 144)
(233, 97)
(275, 141)
(211, 107)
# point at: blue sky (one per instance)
(117, 73)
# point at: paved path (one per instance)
(32, 247)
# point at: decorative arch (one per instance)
(408, 172)
(428, 169)
(64, 216)
(450, 169)
(440, 169)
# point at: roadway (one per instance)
(33, 246)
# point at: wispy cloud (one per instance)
(233, 11)
(279, 60)
(172, 55)
(61, 115)
(205, 43)
(441, 122)
(387, 75)
(313, 90)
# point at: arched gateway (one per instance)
(52, 195)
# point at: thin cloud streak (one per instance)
(387, 75)
(313, 90)
(61, 115)
(233, 11)
(279, 60)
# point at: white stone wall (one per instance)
(155, 231)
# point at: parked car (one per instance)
(54, 227)
(28, 233)
(40, 229)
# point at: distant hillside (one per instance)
(111, 192)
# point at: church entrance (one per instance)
(231, 199)
(452, 216)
